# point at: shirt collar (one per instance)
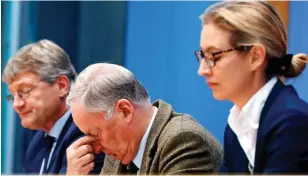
(57, 127)
(251, 111)
(138, 158)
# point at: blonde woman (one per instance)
(244, 59)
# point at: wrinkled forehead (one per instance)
(79, 113)
(82, 118)
(212, 37)
(23, 79)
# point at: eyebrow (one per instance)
(207, 49)
(18, 85)
(23, 82)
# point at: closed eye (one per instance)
(94, 135)
(91, 135)
(217, 58)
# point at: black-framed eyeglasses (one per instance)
(22, 95)
(210, 58)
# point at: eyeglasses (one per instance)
(210, 58)
(22, 95)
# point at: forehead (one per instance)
(81, 115)
(213, 37)
(23, 79)
(87, 122)
(78, 109)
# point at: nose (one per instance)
(18, 102)
(204, 69)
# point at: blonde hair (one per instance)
(44, 58)
(253, 22)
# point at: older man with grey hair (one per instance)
(114, 110)
(39, 76)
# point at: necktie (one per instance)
(132, 168)
(47, 145)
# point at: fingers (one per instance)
(82, 141)
(83, 150)
(80, 157)
(87, 168)
(88, 158)
(79, 152)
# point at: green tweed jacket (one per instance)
(177, 144)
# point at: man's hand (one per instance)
(80, 157)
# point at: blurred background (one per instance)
(155, 40)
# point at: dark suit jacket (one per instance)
(176, 144)
(58, 162)
(282, 142)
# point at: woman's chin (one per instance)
(218, 96)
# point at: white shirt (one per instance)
(138, 158)
(245, 123)
(55, 132)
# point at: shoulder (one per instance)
(288, 99)
(187, 145)
(184, 123)
(184, 129)
(286, 114)
(287, 108)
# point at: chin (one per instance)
(29, 125)
(219, 96)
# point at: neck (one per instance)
(62, 110)
(144, 115)
(247, 92)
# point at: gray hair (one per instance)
(44, 58)
(99, 86)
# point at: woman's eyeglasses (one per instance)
(210, 58)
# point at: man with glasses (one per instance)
(39, 77)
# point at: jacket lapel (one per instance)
(33, 159)
(163, 116)
(59, 141)
(113, 167)
(279, 86)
